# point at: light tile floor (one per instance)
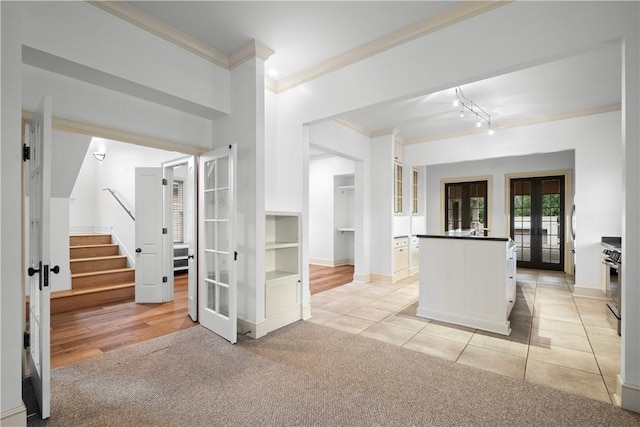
(558, 340)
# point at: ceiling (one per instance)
(305, 35)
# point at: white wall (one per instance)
(67, 155)
(322, 217)
(246, 128)
(97, 40)
(340, 140)
(11, 285)
(83, 56)
(598, 158)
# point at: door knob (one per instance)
(138, 250)
(31, 271)
(55, 269)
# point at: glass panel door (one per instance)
(218, 287)
(537, 226)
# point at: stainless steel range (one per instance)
(612, 261)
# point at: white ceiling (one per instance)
(305, 34)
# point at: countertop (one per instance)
(443, 236)
(612, 242)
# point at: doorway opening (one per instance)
(87, 208)
(332, 221)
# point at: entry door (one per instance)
(39, 239)
(149, 227)
(537, 221)
(217, 279)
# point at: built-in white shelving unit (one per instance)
(282, 269)
(344, 219)
(180, 257)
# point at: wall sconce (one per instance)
(99, 156)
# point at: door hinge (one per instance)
(164, 181)
(235, 255)
(164, 279)
(26, 340)
(229, 146)
(165, 231)
(26, 152)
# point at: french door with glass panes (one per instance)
(466, 206)
(217, 260)
(537, 225)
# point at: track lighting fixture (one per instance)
(480, 114)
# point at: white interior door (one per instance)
(39, 236)
(167, 234)
(149, 236)
(191, 235)
(188, 175)
(217, 279)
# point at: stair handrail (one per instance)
(119, 201)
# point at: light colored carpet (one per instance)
(302, 375)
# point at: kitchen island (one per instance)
(468, 280)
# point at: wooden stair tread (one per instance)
(97, 258)
(99, 273)
(75, 292)
(99, 245)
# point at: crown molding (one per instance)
(95, 130)
(354, 126)
(384, 132)
(162, 30)
(451, 16)
(458, 13)
(525, 122)
(254, 49)
(270, 84)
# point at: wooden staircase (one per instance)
(99, 275)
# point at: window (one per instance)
(177, 212)
(397, 178)
(466, 205)
(414, 194)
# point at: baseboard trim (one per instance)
(362, 278)
(259, 329)
(331, 262)
(305, 311)
(381, 278)
(321, 261)
(90, 229)
(583, 291)
(16, 417)
(414, 270)
(628, 395)
(401, 275)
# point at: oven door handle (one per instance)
(610, 264)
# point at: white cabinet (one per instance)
(415, 254)
(398, 190)
(400, 254)
(282, 270)
(511, 277)
(468, 281)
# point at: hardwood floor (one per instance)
(322, 278)
(81, 334)
(84, 333)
